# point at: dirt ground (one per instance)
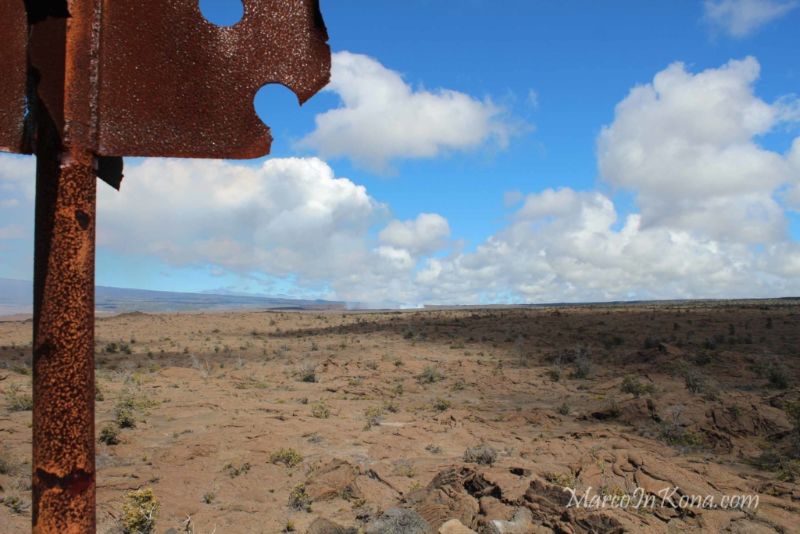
(255, 422)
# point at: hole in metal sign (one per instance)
(277, 106)
(222, 12)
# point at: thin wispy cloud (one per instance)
(740, 18)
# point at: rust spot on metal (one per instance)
(83, 219)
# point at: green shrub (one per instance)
(139, 512)
(307, 373)
(287, 457)
(299, 499)
(373, 415)
(695, 382)
(320, 410)
(99, 395)
(778, 377)
(124, 417)
(109, 434)
(433, 449)
(554, 373)
(583, 368)
(613, 410)
(481, 454)
(565, 480)
(634, 387)
(441, 405)
(234, 471)
(429, 375)
(15, 504)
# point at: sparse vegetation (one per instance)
(429, 375)
(565, 480)
(554, 373)
(583, 367)
(287, 457)
(793, 411)
(307, 372)
(299, 499)
(508, 380)
(109, 434)
(635, 387)
(481, 454)
(123, 415)
(778, 377)
(18, 401)
(404, 468)
(695, 382)
(6, 463)
(114, 347)
(373, 416)
(99, 394)
(320, 410)
(441, 405)
(433, 449)
(234, 471)
(678, 436)
(15, 504)
(613, 410)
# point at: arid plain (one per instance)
(277, 421)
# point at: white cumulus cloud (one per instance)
(284, 217)
(423, 235)
(383, 118)
(686, 145)
(711, 201)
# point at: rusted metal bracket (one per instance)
(13, 77)
(82, 84)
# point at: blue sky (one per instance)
(527, 151)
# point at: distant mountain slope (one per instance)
(16, 297)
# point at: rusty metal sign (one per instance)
(220, 70)
(82, 84)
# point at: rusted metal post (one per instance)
(63, 346)
(64, 256)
